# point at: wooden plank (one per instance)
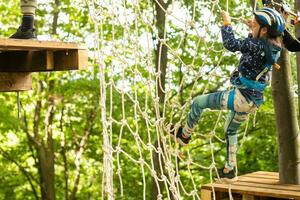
(260, 176)
(252, 190)
(15, 82)
(16, 44)
(275, 187)
(206, 194)
(266, 173)
(258, 180)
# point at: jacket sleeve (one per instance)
(250, 45)
(290, 43)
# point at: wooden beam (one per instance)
(248, 197)
(205, 194)
(36, 56)
(70, 60)
(23, 61)
(10, 82)
(44, 60)
(50, 60)
(16, 44)
(19, 57)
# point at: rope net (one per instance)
(154, 57)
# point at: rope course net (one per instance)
(154, 57)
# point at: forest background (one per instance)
(55, 148)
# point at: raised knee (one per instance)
(199, 102)
(241, 117)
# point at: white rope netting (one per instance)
(133, 116)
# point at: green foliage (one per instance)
(76, 104)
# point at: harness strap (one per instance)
(230, 102)
(251, 84)
(266, 69)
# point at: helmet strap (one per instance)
(259, 31)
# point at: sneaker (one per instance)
(229, 177)
(24, 34)
(180, 138)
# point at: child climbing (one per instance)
(26, 30)
(260, 52)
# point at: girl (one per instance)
(260, 52)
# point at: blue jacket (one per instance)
(253, 61)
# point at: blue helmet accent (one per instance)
(272, 19)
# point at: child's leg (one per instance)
(233, 122)
(212, 101)
(26, 30)
(28, 7)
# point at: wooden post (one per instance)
(50, 60)
(205, 194)
(15, 82)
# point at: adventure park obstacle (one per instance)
(18, 58)
(257, 185)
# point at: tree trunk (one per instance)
(161, 59)
(44, 149)
(297, 33)
(46, 161)
(286, 122)
(90, 121)
(55, 17)
(64, 154)
(161, 52)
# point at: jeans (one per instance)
(226, 100)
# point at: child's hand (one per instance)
(226, 17)
(286, 18)
(285, 15)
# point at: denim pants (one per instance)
(226, 100)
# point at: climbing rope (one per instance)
(126, 70)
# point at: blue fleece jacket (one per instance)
(252, 62)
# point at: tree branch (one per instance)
(63, 152)
(23, 170)
(80, 149)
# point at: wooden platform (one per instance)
(19, 57)
(257, 185)
(37, 56)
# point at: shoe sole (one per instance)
(227, 180)
(23, 38)
(180, 142)
(177, 140)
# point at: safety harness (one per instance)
(272, 54)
